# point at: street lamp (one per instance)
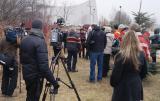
(120, 14)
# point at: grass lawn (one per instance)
(91, 92)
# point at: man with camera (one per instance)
(8, 55)
(34, 59)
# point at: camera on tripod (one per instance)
(60, 21)
(49, 87)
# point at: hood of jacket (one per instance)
(96, 28)
(37, 32)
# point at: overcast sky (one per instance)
(106, 7)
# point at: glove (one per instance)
(56, 85)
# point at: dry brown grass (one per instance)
(93, 92)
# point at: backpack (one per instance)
(11, 35)
(56, 38)
(115, 46)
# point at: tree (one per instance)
(121, 18)
(10, 10)
(143, 19)
(15, 11)
(66, 11)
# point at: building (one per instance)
(85, 13)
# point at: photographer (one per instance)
(34, 59)
(8, 51)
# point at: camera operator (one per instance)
(34, 59)
(8, 50)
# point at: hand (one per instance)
(150, 59)
(56, 85)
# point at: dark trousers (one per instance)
(153, 57)
(9, 80)
(56, 51)
(106, 59)
(87, 54)
(72, 60)
(82, 52)
(34, 89)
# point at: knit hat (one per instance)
(121, 26)
(37, 24)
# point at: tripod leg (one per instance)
(71, 82)
(52, 97)
(45, 93)
(20, 72)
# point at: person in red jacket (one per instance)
(143, 42)
(118, 34)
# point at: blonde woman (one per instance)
(130, 64)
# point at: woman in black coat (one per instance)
(129, 70)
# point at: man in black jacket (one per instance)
(97, 42)
(34, 59)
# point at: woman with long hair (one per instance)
(129, 65)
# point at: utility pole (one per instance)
(90, 8)
(139, 12)
(120, 14)
(140, 7)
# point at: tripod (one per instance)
(48, 86)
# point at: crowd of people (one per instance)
(131, 49)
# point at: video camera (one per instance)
(60, 21)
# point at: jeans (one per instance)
(96, 56)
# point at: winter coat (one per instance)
(96, 41)
(73, 41)
(110, 38)
(144, 45)
(9, 51)
(126, 81)
(155, 44)
(7, 47)
(34, 57)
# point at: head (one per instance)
(72, 30)
(135, 27)
(157, 31)
(115, 27)
(130, 48)
(96, 28)
(37, 24)
(81, 30)
(121, 27)
(103, 28)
